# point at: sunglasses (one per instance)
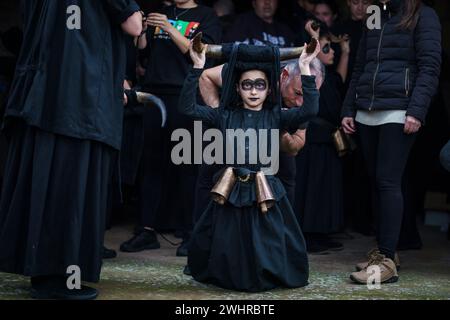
(258, 84)
(326, 49)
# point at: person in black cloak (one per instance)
(319, 197)
(64, 123)
(244, 240)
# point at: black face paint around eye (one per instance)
(258, 84)
(326, 49)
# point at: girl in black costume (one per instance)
(243, 242)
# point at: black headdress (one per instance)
(244, 57)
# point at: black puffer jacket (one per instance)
(397, 69)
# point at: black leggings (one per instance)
(386, 149)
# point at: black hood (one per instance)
(243, 57)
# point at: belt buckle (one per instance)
(245, 178)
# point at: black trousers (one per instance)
(386, 149)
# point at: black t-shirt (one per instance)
(167, 66)
(70, 81)
(250, 29)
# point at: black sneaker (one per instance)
(108, 253)
(55, 288)
(143, 240)
(182, 250)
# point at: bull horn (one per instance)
(290, 53)
(148, 98)
(293, 53)
(212, 51)
(215, 51)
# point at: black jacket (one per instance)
(397, 69)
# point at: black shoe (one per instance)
(55, 288)
(187, 271)
(315, 247)
(108, 253)
(143, 240)
(182, 250)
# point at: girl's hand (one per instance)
(412, 125)
(199, 59)
(305, 58)
(348, 124)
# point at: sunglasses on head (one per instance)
(258, 84)
(326, 49)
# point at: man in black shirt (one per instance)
(64, 123)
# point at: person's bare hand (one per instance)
(291, 144)
(344, 42)
(305, 58)
(412, 125)
(199, 59)
(158, 20)
(348, 124)
(310, 30)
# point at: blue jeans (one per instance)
(445, 156)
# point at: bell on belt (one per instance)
(340, 142)
(264, 194)
(224, 186)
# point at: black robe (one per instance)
(319, 197)
(64, 125)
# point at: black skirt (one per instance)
(240, 248)
(53, 203)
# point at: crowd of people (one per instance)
(349, 111)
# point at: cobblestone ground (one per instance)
(157, 274)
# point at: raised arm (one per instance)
(210, 84)
(188, 97)
(293, 118)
